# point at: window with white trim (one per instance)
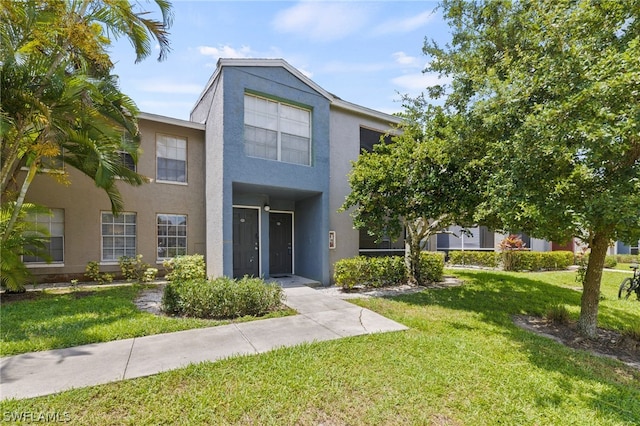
(276, 131)
(172, 235)
(118, 236)
(171, 158)
(127, 160)
(54, 224)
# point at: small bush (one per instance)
(221, 297)
(370, 271)
(385, 271)
(134, 269)
(610, 261)
(536, 260)
(558, 314)
(92, 272)
(185, 268)
(488, 259)
(627, 258)
(431, 267)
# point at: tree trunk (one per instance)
(413, 259)
(33, 169)
(588, 321)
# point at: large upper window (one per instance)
(118, 236)
(54, 224)
(172, 235)
(276, 131)
(171, 158)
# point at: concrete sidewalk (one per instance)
(320, 318)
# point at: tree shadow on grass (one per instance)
(67, 319)
(496, 297)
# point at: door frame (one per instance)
(240, 206)
(293, 238)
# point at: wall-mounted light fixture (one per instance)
(267, 208)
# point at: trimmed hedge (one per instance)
(627, 258)
(221, 297)
(489, 259)
(431, 267)
(384, 271)
(536, 261)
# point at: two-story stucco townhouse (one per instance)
(252, 181)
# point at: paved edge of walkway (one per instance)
(319, 318)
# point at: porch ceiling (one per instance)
(294, 194)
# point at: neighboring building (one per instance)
(253, 182)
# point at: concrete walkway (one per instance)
(320, 318)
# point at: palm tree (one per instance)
(58, 96)
(25, 239)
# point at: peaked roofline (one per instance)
(259, 62)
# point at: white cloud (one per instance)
(404, 25)
(225, 51)
(419, 81)
(322, 21)
(403, 59)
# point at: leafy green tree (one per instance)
(549, 94)
(60, 104)
(414, 184)
(59, 100)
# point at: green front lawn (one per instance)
(53, 320)
(463, 362)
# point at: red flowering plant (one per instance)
(509, 245)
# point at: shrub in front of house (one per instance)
(610, 261)
(369, 271)
(538, 261)
(221, 298)
(185, 268)
(488, 259)
(627, 258)
(134, 269)
(384, 271)
(431, 267)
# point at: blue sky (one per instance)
(365, 52)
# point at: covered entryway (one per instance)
(246, 242)
(280, 243)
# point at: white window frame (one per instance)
(278, 129)
(48, 221)
(124, 155)
(115, 235)
(161, 138)
(167, 236)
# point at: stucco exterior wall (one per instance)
(83, 203)
(345, 148)
(259, 181)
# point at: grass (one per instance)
(462, 362)
(625, 266)
(55, 320)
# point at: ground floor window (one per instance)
(53, 224)
(370, 246)
(118, 235)
(172, 235)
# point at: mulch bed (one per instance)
(608, 343)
